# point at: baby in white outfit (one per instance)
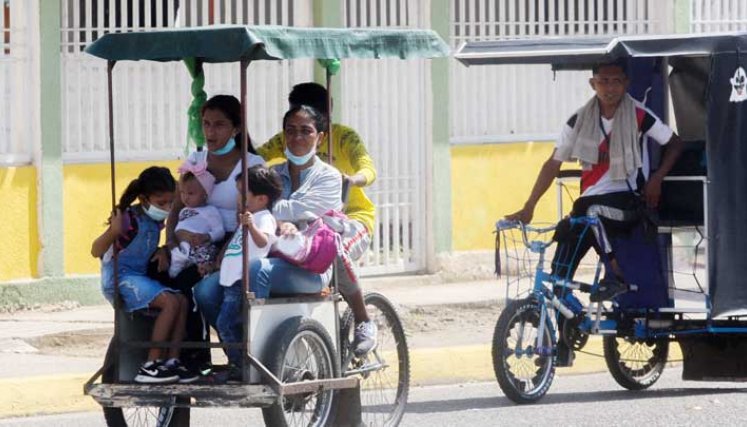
(200, 225)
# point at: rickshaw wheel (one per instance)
(167, 416)
(523, 371)
(384, 381)
(634, 364)
(303, 351)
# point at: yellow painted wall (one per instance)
(19, 249)
(490, 181)
(87, 203)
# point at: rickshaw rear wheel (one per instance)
(635, 364)
(384, 380)
(303, 351)
(167, 416)
(524, 369)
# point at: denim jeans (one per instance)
(265, 275)
(228, 322)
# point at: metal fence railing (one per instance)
(152, 99)
(493, 104)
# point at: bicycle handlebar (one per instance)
(535, 245)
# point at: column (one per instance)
(49, 156)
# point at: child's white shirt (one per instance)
(202, 220)
(230, 267)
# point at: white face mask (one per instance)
(156, 214)
(300, 160)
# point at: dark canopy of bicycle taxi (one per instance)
(705, 77)
(243, 45)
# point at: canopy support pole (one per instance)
(244, 232)
(115, 254)
(329, 115)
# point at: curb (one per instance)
(26, 295)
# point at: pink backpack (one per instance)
(315, 249)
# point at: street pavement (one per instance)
(573, 400)
(32, 383)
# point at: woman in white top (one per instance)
(221, 125)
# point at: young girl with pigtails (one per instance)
(133, 233)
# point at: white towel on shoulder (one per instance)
(624, 151)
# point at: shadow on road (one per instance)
(501, 401)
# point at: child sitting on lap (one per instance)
(200, 225)
(264, 187)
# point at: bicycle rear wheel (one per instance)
(524, 366)
(635, 365)
(385, 371)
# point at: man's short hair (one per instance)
(311, 94)
(621, 63)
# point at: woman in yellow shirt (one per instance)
(351, 158)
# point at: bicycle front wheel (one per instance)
(524, 365)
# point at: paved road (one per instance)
(578, 400)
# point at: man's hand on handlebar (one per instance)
(524, 215)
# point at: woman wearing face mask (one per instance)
(309, 186)
(221, 156)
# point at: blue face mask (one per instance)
(156, 214)
(299, 160)
(230, 145)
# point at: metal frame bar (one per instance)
(112, 173)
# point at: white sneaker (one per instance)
(364, 337)
(179, 259)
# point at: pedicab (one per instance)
(298, 366)
(697, 300)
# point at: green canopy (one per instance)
(234, 43)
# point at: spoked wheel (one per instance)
(142, 416)
(524, 366)
(146, 416)
(635, 365)
(385, 371)
(303, 351)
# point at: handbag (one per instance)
(314, 248)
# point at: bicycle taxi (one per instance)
(298, 365)
(685, 280)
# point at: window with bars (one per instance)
(496, 19)
(377, 13)
(718, 15)
(5, 28)
(84, 21)
(151, 99)
(491, 104)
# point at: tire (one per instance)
(635, 365)
(168, 416)
(384, 391)
(302, 340)
(524, 378)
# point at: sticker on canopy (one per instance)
(738, 90)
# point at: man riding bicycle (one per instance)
(605, 137)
